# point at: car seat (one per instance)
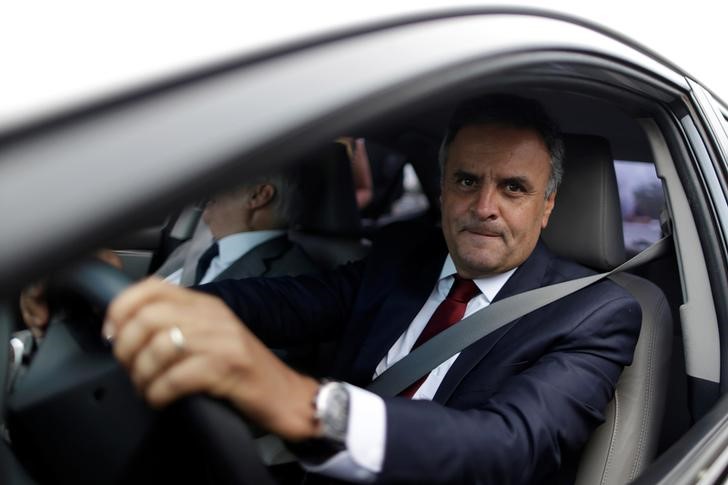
(328, 225)
(586, 226)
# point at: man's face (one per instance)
(493, 197)
(225, 213)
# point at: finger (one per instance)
(165, 314)
(191, 375)
(155, 358)
(130, 301)
(134, 334)
(266, 398)
(223, 344)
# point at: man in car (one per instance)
(515, 407)
(247, 236)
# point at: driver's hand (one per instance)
(34, 304)
(175, 342)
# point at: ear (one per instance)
(261, 195)
(550, 201)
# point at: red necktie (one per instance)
(449, 312)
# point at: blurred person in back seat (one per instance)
(243, 233)
(245, 236)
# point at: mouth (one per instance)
(482, 232)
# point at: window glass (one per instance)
(642, 201)
(413, 200)
(396, 192)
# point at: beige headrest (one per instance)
(586, 224)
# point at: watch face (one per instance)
(332, 409)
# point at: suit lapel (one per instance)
(531, 274)
(256, 262)
(405, 296)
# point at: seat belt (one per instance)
(467, 331)
(483, 322)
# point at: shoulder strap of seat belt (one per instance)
(483, 322)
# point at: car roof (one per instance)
(139, 155)
(80, 52)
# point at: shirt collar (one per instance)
(234, 246)
(489, 286)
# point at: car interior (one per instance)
(656, 402)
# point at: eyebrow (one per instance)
(463, 173)
(517, 179)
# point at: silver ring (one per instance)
(177, 338)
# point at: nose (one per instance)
(485, 204)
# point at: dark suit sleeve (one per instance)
(290, 310)
(522, 432)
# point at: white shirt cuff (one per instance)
(362, 459)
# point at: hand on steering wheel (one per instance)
(176, 342)
(225, 449)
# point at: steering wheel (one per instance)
(217, 431)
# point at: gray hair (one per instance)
(511, 111)
(286, 199)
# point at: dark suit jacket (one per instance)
(516, 407)
(275, 257)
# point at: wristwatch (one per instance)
(332, 411)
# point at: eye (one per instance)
(513, 186)
(466, 181)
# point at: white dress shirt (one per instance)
(364, 455)
(231, 248)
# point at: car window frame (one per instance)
(165, 119)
